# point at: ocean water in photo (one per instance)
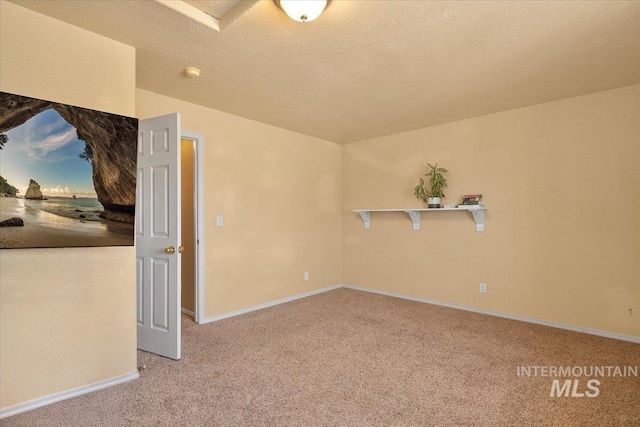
(44, 229)
(82, 208)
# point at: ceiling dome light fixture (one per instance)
(303, 10)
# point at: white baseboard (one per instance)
(558, 325)
(57, 397)
(584, 330)
(268, 304)
(189, 312)
(63, 395)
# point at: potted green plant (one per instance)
(437, 182)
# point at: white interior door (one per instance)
(158, 235)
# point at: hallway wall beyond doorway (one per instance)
(188, 225)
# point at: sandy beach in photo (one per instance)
(43, 229)
(74, 171)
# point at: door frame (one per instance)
(198, 210)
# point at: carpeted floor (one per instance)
(348, 358)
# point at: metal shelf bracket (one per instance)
(366, 218)
(478, 217)
(415, 219)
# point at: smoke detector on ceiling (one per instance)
(192, 72)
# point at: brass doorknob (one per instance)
(180, 249)
(170, 250)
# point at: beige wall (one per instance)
(562, 184)
(561, 181)
(67, 315)
(188, 236)
(280, 194)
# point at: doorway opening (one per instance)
(192, 275)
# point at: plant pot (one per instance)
(433, 202)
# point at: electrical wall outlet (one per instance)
(483, 288)
(306, 275)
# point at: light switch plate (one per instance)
(219, 221)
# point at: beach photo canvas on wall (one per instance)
(67, 175)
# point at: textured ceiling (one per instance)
(215, 8)
(371, 68)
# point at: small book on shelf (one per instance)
(471, 199)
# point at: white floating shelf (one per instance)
(476, 212)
